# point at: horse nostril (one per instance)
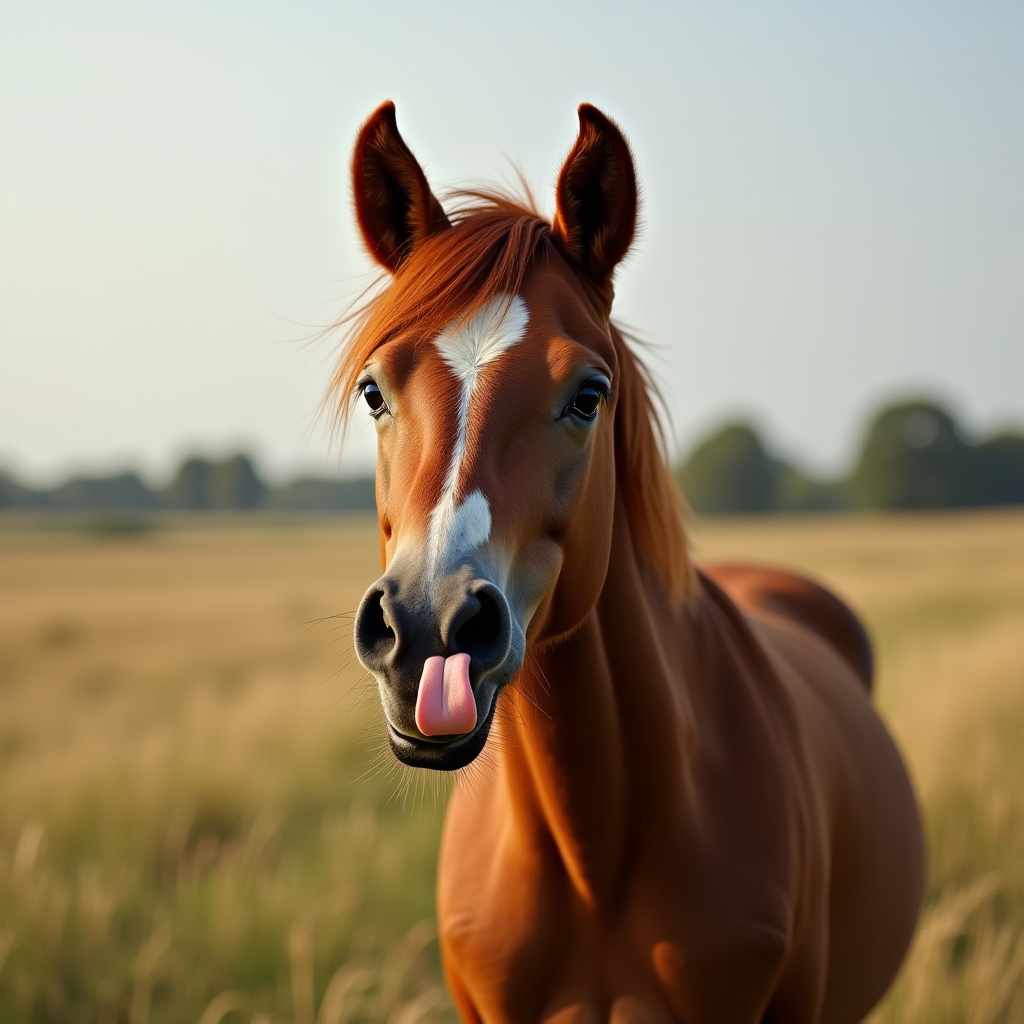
(484, 632)
(374, 637)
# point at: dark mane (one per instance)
(493, 243)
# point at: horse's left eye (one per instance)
(373, 398)
(585, 404)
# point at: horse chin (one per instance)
(441, 754)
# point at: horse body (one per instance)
(687, 809)
(681, 850)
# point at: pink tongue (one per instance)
(445, 705)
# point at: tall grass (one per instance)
(195, 824)
(191, 827)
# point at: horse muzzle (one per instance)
(440, 648)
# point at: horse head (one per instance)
(493, 374)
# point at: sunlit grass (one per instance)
(191, 826)
(196, 824)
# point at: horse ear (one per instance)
(394, 205)
(596, 198)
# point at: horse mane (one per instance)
(494, 240)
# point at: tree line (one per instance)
(231, 484)
(914, 455)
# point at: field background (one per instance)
(196, 823)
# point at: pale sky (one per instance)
(834, 210)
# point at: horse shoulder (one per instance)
(501, 912)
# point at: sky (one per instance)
(833, 213)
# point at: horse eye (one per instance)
(585, 404)
(374, 399)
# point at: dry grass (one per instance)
(183, 831)
(184, 834)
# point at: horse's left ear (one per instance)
(394, 205)
(596, 198)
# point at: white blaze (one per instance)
(467, 346)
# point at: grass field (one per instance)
(192, 826)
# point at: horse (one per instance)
(688, 809)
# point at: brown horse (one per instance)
(692, 811)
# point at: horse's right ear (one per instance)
(394, 205)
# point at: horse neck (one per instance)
(597, 742)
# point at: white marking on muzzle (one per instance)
(467, 346)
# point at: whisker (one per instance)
(536, 665)
(310, 623)
(365, 691)
(341, 654)
(379, 766)
(345, 629)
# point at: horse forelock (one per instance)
(448, 280)
(492, 244)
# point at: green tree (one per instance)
(190, 488)
(731, 472)
(121, 492)
(914, 456)
(230, 484)
(999, 478)
(234, 483)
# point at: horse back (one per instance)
(796, 599)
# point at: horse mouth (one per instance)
(442, 753)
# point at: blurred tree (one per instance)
(14, 495)
(913, 456)
(201, 484)
(1000, 474)
(123, 491)
(731, 472)
(190, 488)
(312, 493)
(234, 483)
(799, 493)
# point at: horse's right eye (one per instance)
(374, 399)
